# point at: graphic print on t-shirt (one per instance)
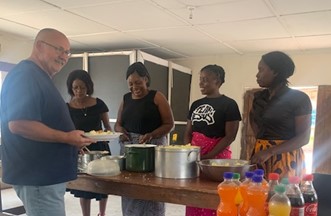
(204, 112)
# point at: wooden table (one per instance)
(197, 192)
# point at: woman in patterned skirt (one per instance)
(280, 118)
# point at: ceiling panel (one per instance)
(284, 7)
(266, 45)
(67, 4)
(315, 42)
(13, 7)
(111, 41)
(225, 12)
(247, 30)
(127, 16)
(317, 23)
(173, 35)
(70, 23)
(191, 49)
(26, 32)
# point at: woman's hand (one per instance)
(261, 156)
(124, 136)
(145, 138)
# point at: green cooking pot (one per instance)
(140, 157)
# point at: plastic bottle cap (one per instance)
(257, 178)
(236, 176)
(294, 179)
(280, 188)
(249, 174)
(308, 177)
(228, 175)
(259, 172)
(273, 176)
(285, 181)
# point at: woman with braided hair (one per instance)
(212, 123)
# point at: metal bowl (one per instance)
(213, 169)
(84, 159)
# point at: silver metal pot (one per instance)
(84, 159)
(179, 162)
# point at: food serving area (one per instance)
(198, 192)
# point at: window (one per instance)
(308, 149)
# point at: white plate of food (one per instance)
(102, 135)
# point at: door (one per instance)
(247, 137)
(322, 141)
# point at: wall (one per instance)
(312, 68)
(13, 49)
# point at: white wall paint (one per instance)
(312, 68)
(14, 49)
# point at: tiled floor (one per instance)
(9, 200)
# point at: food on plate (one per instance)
(218, 163)
(99, 132)
(179, 146)
(102, 135)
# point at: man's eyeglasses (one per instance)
(60, 50)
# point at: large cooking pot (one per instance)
(84, 159)
(178, 161)
(140, 157)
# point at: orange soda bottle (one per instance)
(227, 191)
(256, 197)
(260, 172)
(243, 191)
(238, 199)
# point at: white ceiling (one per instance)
(166, 29)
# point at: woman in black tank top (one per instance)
(144, 116)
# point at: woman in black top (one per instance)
(88, 113)
(280, 118)
(212, 123)
(144, 116)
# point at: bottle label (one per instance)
(311, 209)
(297, 211)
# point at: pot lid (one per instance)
(178, 148)
(140, 146)
(96, 152)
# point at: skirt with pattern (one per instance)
(285, 164)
